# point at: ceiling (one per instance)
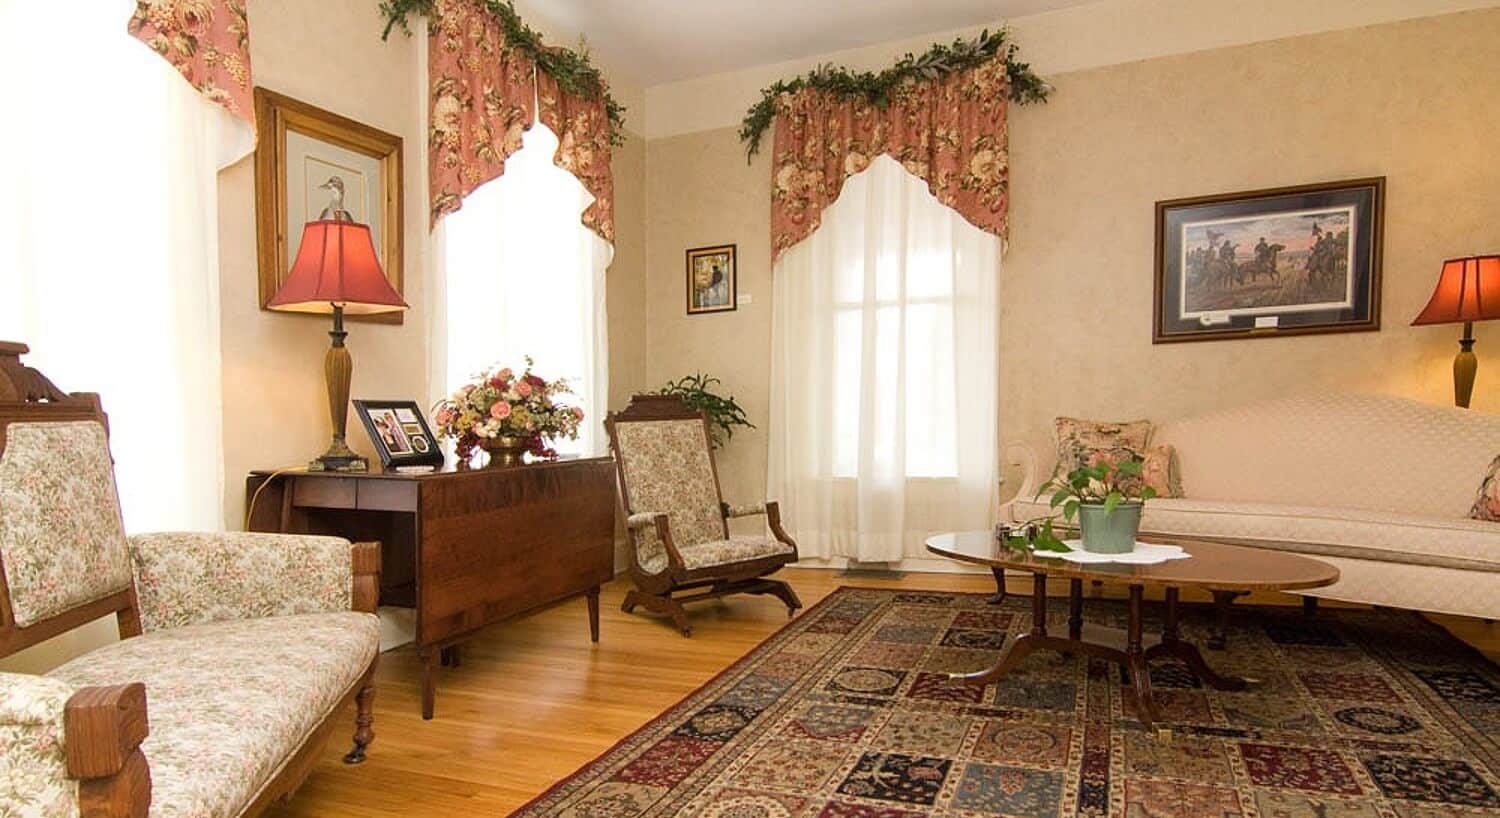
(657, 41)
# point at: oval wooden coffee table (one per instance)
(1226, 571)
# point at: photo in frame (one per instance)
(400, 433)
(711, 279)
(1283, 261)
(313, 164)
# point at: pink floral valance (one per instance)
(208, 41)
(483, 97)
(951, 132)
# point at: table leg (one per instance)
(593, 594)
(1075, 609)
(428, 693)
(1024, 644)
(1222, 600)
(1135, 660)
(1172, 645)
(999, 575)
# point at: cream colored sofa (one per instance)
(1379, 486)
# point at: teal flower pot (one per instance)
(1112, 532)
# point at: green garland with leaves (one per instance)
(878, 89)
(573, 70)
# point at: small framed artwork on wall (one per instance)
(1284, 261)
(399, 432)
(711, 279)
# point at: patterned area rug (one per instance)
(847, 713)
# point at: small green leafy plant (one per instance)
(1103, 482)
(723, 413)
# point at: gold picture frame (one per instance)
(712, 279)
(298, 144)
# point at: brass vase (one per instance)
(506, 450)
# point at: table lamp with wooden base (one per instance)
(337, 272)
(1468, 290)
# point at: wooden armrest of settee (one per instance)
(104, 728)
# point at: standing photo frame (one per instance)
(1263, 263)
(399, 430)
(712, 279)
(312, 164)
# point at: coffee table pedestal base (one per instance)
(1135, 658)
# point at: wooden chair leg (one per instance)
(364, 719)
(659, 604)
(783, 592)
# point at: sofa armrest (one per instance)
(72, 751)
(1027, 458)
(190, 578)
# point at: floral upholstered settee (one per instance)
(1381, 487)
(236, 649)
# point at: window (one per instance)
(525, 277)
(884, 387)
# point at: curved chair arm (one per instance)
(650, 531)
(773, 520)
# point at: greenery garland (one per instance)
(878, 89)
(573, 70)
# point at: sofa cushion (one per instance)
(229, 702)
(1340, 532)
(1487, 500)
(738, 548)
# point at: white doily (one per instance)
(1145, 553)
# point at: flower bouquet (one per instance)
(508, 415)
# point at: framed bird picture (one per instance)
(711, 279)
(312, 164)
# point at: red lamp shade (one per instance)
(1467, 290)
(336, 265)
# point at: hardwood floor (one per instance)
(534, 700)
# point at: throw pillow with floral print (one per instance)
(1083, 442)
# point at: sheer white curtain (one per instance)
(884, 373)
(523, 276)
(109, 263)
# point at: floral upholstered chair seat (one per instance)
(230, 701)
(738, 548)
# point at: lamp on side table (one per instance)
(1468, 290)
(336, 271)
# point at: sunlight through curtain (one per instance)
(884, 372)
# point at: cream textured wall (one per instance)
(1099, 33)
(1415, 101)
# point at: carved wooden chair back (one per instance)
(63, 555)
(666, 466)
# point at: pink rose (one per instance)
(577, 413)
(500, 411)
(523, 389)
(445, 416)
(504, 374)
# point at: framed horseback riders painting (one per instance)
(313, 164)
(1263, 263)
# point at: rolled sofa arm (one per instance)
(1023, 455)
(72, 751)
(192, 578)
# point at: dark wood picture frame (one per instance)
(730, 278)
(421, 446)
(1364, 202)
(275, 116)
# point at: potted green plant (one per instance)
(1105, 498)
(723, 413)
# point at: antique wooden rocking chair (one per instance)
(677, 520)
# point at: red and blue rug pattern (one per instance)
(848, 713)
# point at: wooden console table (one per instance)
(464, 548)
